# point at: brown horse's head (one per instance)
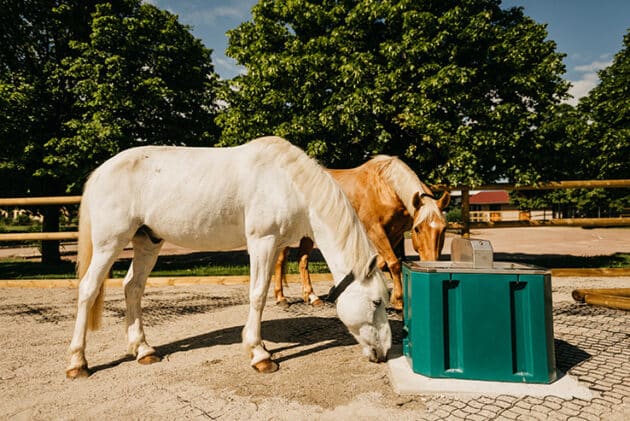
(429, 225)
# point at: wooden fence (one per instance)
(464, 227)
(39, 201)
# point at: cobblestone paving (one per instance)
(593, 345)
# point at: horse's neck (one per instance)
(405, 183)
(334, 224)
(339, 255)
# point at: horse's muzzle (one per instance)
(376, 357)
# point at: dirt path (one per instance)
(540, 240)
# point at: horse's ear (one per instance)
(372, 265)
(444, 200)
(415, 200)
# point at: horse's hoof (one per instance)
(77, 373)
(149, 359)
(283, 304)
(266, 366)
(317, 303)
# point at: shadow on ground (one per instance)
(313, 333)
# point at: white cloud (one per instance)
(227, 66)
(587, 81)
(214, 14)
(205, 13)
(593, 67)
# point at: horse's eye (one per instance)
(377, 303)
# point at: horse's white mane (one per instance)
(406, 183)
(324, 196)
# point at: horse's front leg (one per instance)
(386, 253)
(263, 253)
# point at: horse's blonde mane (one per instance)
(405, 183)
(324, 196)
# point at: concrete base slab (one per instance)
(406, 382)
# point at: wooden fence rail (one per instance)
(40, 201)
(464, 227)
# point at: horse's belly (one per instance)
(219, 235)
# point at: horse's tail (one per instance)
(84, 257)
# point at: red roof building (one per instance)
(495, 197)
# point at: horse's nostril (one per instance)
(375, 357)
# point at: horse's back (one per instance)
(210, 198)
(371, 196)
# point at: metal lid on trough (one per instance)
(476, 256)
(474, 251)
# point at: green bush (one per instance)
(454, 215)
(22, 219)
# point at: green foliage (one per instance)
(80, 81)
(139, 79)
(607, 108)
(456, 88)
(570, 203)
(454, 215)
(590, 142)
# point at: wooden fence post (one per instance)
(465, 212)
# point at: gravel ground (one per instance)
(205, 374)
(322, 376)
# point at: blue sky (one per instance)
(590, 32)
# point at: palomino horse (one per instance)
(264, 195)
(389, 199)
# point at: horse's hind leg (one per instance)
(145, 253)
(89, 289)
(309, 296)
(280, 278)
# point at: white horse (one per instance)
(264, 195)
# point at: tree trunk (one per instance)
(50, 248)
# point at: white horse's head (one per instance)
(361, 301)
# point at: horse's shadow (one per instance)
(314, 334)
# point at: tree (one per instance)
(607, 107)
(80, 81)
(592, 142)
(140, 78)
(34, 39)
(457, 88)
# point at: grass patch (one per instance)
(28, 269)
(237, 263)
(195, 264)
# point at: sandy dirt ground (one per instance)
(205, 374)
(539, 240)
